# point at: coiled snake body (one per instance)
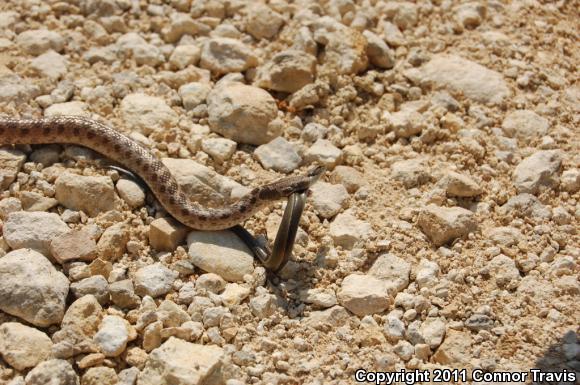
(116, 146)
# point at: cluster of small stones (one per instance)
(444, 234)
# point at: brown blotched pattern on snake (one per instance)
(121, 149)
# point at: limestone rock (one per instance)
(262, 21)
(349, 177)
(95, 285)
(378, 52)
(145, 114)
(460, 185)
(165, 234)
(278, 155)
(526, 205)
(539, 170)
(455, 349)
(404, 123)
(287, 71)
(23, 347)
(123, 294)
(220, 149)
(325, 153)
(52, 372)
(11, 162)
(154, 280)
(504, 271)
(73, 245)
(50, 65)
(393, 270)
(328, 199)
(181, 362)
(325, 319)
(220, 252)
(444, 224)
(113, 242)
(193, 94)
(346, 230)
(34, 230)
(524, 125)
(91, 194)
(184, 55)
(31, 288)
(112, 336)
(461, 75)
(68, 108)
(411, 172)
(364, 294)
(180, 24)
(100, 375)
(243, 113)
(131, 193)
(37, 41)
(224, 55)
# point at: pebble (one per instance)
(181, 362)
(324, 153)
(504, 272)
(14, 89)
(142, 52)
(243, 113)
(154, 280)
(444, 224)
(263, 306)
(211, 282)
(364, 294)
(193, 94)
(112, 244)
(171, 314)
(23, 347)
(222, 55)
(427, 273)
(220, 149)
(32, 201)
(50, 64)
(68, 108)
(538, 171)
(378, 52)
(393, 270)
(184, 55)
(220, 252)
(73, 245)
(165, 234)
(123, 294)
(11, 162)
(91, 194)
(319, 298)
(411, 172)
(328, 199)
(345, 49)
(325, 319)
(131, 193)
(53, 371)
(26, 276)
(146, 114)
(112, 336)
(37, 41)
(505, 236)
(570, 180)
(393, 35)
(96, 285)
(106, 55)
(278, 155)
(460, 185)
(349, 177)
(261, 21)
(455, 349)
(470, 15)
(461, 75)
(433, 331)
(346, 230)
(8, 206)
(33, 230)
(404, 350)
(526, 205)
(477, 322)
(181, 24)
(287, 71)
(404, 123)
(525, 125)
(100, 375)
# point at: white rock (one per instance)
(8, 206)
(112, 336)
(220, 252)
(11, 162)
(154, 280)
(411, 172)
(313, 131)
(37, 41)
(504, 272)
(460, 185)
(184, 55)
(15, 89)
(461, 75)
(243, 113)
(364, 294)
(34, 230)
(193, 94)
(146, 114)
(31, 288)
(427, 273)
(505, 236)
(328, 199)
(393, 270)
(404, 123)
(349, 177)
(220, 149)
(378, 52)
(211, 282)
(131, 193)
(346, 230)
(325, 319)
(262, 21)
(142, 52)
(526, 205)
(165, 234)
(52, 372)
(287, 71)
(180, 24)
(95, 285)
(224, 55)
(106, 55)
(320, 298)
(524, 125)
(325, 153)
(444, 224)
(393, 35)
(181, 362)
(433, 331)
(23, 347)
(278, 155)
(68, 108)
(234, 294)
(91, 194)
(394, 328)
(263, 306)
(470, 15)
(50, 64)
(538, 171)
(570, 180)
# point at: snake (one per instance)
(116, 146)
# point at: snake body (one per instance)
(118, 147)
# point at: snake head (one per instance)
(314, 174)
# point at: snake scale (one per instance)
(118, 147)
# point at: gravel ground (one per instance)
(443, 235)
